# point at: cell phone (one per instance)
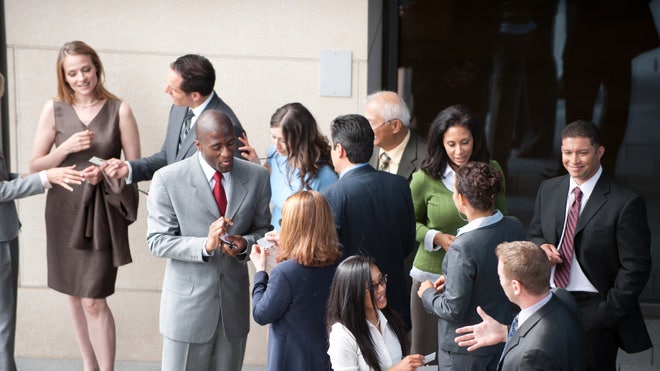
(224, 239)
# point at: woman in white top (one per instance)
(364, 334)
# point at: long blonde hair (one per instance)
(64, 91)
(308, 234)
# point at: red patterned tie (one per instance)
(219, 193)
(563, 270)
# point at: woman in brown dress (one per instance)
(87, 229)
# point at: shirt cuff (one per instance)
(129, 177)
(204, 252)
(44, 180)
(428, 240)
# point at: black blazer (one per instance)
(374, 214)
(411, 159)
(612, 245)
(144, 168)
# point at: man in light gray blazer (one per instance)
(204, 313)
(12, 187)
(190, 82)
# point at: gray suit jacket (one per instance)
(551, 339)
(411, 159)
(13, 187)
(196, 290)
(144, 168)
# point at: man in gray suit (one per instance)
(190, 83)
(397, 149)
(12, 187)
(204, 313)
(547, 333)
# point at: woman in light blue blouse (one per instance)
(299, 158)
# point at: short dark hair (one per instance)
(197, 73)
(526, 263)
(436, 159)
(480, 184)
(583, 129)
(355, 135)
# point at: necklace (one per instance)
(85, 106)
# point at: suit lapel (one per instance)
(407, 164)
(201, 189)
(597, 199)
(238, 191)
(559, 199)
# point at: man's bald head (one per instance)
(212, 120)
(216, 140)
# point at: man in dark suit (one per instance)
(190, 83)
(603, 258)
(547, 333)
(372, 209)
(397, 149)
(206, 238)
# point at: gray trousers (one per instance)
(8, 291)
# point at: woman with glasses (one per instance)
(470, 268)
(293, 299)
(299, 158)
(364, 333)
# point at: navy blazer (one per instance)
(612, 245)
(294, 301)
(373, 213)
(551, 339)
(144, 168)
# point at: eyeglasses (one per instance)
(381, 124)
(382, 281)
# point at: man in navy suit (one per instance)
(547, 333)
(190, 83)
(610, 260)
(372, 209)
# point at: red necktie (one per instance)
(219, 193)
(563, 270)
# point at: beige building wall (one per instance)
(266, 54)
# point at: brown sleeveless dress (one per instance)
(87, 229)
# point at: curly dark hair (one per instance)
(480, 184)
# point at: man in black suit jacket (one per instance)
(190, 83)
(372, 209)
(611, 259)
(548, 333)
(389, 118)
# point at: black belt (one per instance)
(583, 295)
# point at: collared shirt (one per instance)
(395, 155)
(351, 168)
(199, 109)
(529, 311)
(480, 223)
(578, 281)
(210, 171)
(345, 355)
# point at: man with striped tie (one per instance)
(595, 232)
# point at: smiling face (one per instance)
(379, 291)
(80, 74)
(458, 143)
(580, 158)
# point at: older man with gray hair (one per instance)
(397, 149)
